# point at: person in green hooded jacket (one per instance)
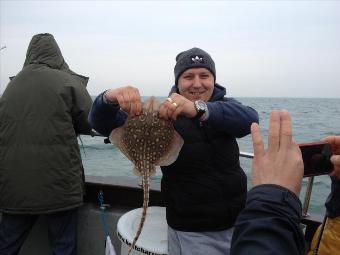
(43, 109)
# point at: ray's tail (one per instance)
(146, 188)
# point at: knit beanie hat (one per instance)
(193, 58)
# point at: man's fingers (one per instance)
(121, 102)
(163, 111)
(133, 106)
(138, 102)
(166, 110)
(285, 129)
(335, 159)
(135, 102)
(274, 132)
(258, 146)
(334, 141)
(127, 102)
(177, 111)
(170, 110)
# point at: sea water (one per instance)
(313, 119)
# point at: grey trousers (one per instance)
(199, 243)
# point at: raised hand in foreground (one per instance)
(270, 221)
(281, 163)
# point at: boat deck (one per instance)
(121, 195)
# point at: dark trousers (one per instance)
(62, 232)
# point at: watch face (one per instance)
(201, 105)
(201, 108)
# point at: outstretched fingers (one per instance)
(285, 129)
(258, 146)
(274, 132)
(135, 103)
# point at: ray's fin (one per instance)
(116, 137)
(174, 148)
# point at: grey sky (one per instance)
(261, 48)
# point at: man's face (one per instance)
(196, 84)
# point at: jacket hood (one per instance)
(43, 49)
(218, 93)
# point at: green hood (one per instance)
(43, 49)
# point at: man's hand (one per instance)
(176, 105)
(281, 163)
(335, 159)
(128, 99)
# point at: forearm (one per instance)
(269, 224)
(105, 117)
(232, 117)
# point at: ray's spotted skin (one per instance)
(147, 141)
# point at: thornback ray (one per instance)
(147, 141)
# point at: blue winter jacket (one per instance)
(206, 188)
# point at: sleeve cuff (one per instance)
(277, 195)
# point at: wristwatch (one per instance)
(201, 108)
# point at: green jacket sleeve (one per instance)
(81, 105)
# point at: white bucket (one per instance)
(154, 237)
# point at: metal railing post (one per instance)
(246, 154)
(307, 197)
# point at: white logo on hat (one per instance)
(197, 59)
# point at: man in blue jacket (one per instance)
(205, 188)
